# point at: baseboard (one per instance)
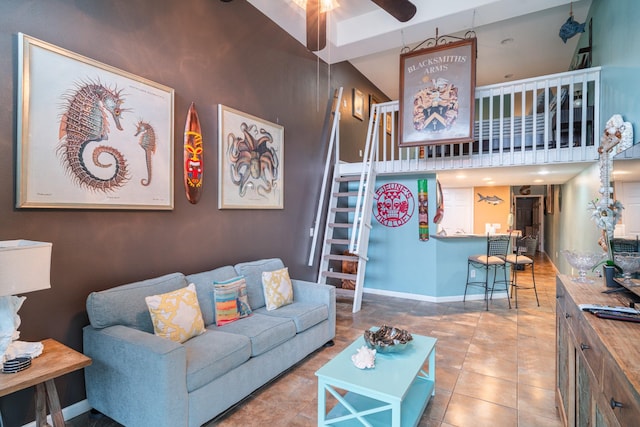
(69, 412)
(419, 297)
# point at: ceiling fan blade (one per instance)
(316, 26)
(402, 10)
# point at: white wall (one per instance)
(458, 208)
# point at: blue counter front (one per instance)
(402, 265)
(430, 271)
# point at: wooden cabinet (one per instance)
(597, 360)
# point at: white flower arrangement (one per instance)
(606, 215)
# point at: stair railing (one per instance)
(367, 181)
(334, 145)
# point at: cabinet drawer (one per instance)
(591, 348)
(561, 295)
(617, 390)
(574, 315)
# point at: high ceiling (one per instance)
(516, 38)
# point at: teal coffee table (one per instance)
(394, 393)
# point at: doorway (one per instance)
(529, 217)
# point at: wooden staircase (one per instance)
(346, 237)
(348, 216)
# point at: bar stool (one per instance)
(519, 262)
(494, 259)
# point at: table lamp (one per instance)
(25, 266)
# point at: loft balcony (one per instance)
(551, 120)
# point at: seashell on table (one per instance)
(365, 358)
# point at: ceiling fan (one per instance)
(402, 10)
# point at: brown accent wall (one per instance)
(210, 52)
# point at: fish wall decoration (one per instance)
(571, 27)
(492, 200)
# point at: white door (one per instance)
(629, 194)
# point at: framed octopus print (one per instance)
(90, 136)
(437, 94)
(251, 159)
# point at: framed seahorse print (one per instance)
(90, 136)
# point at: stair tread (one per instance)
(348, 178)
(345, 194)
(337, 275)
(338, 241)
(340, 225)
(337, 257)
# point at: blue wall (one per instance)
(402, 265)
(615, 48)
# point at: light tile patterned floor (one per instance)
(494, 368)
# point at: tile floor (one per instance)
(494, 368)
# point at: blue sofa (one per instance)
(140, 379)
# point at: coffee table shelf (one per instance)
(395, 393)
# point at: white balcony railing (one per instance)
(515, 126)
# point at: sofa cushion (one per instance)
(277, 288)
(204, 288)
(252, 272)
(212, 354)
(231, 302)
(176, 315)
(265, 332)
(125, 305)
(304, 315)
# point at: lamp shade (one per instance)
(25, 266)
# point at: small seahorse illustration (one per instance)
(86, 120)
(148, 144)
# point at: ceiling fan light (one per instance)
(325, 5)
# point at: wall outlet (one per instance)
(360, 153)
(311, 232)
(472, 274)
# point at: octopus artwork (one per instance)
(86, 120)
(435, 107)
(253, 160)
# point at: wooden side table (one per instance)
(56, 360)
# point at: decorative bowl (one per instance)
(387, 339)
(629, 262)
(582, 261)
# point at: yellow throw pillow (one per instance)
(277, 288)
(176, 315)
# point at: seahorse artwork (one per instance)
(254, 163)
(193, 156)
(86, 120)
(148, 143)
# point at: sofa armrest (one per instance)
(311, 292)
(136, 377)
